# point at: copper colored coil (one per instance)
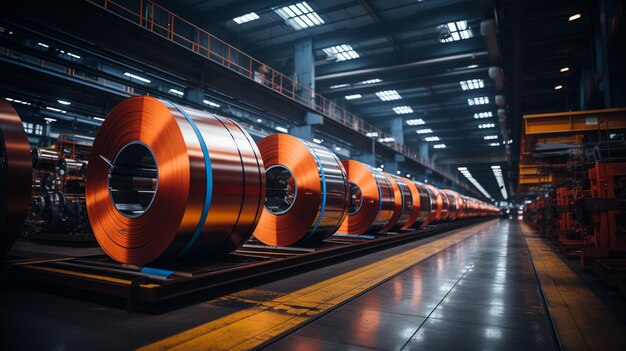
(15, 176)
(209, 176)
(445, 206)
(453, 198)
(403, 203)
(435, 205)
(425, 204)
(415, 206)
(371, 199)
(307, 192)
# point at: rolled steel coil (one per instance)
(403, 201)
(15, 176)
(47, 182)
(44, 159)
(307, 192)
(415, 206)
(371, 199)
(445, 206)
(424, 204)
(455, 204)
(435, 204)
(165, 182)
(68, 167)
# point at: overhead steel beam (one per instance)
(429, 19)
(432, 55)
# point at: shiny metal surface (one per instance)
(319, 202)
(377, 204)
(15, 175)
(173, 226)
(415, 203)
(454, 208)
(44, 159)
(481, 294)
(403, 203)
(424, 204)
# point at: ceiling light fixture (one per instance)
(424, 131)
(497, 172)
(341, 52)
(472, 84)
(388, 95)
(439, 146)
(483, 100)
(248, 17)
(299, 16)
(354, 96)
(564, 69)
(415, 122)
(402, 110)
(467, 174)
(480, 115)
(455, 31)
(558, 87)
(432, 138)
(575, 17)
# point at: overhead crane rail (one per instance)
(159, 20)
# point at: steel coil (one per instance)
(307, 192)
(455, 204)
(403, 203)
(15, 175)
(435, 204)
(424, 204)
(371, 199)
(44, 159)
(168, 182)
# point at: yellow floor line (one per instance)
(271, 316)
(582, 320)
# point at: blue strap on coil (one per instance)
(209, 182)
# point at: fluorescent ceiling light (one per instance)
(486, 125)
(408, 175)
(341, 52)
(282, 129)
(73, 55)
(258, 120)
(432, 138)
(398, 172)
(424, 131)
(479, 115)
(575, 17)
(44, 45)
(386, 139)
(415, 122)
(371, 81)
(354, 96)
(63, 102)
(439, 146)
(455, 31)
(18, 101)
(176, 92)
(372, 134)
(558, 87)
(211, 103)
(466, 173)
(494, 144)
(564, 69)
(490, 137)
(299, 16)
(483, 100)
(248, 17)
(55, 109)
(337, 148)
(401, 110)
(98, 118)
(472, 66)
(139, 78)
(337, 86)
(472, 84)
(497, 172)
(50, 120)
(388, 95)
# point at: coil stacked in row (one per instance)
(15, 175)
(166, 181)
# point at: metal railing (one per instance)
(170, 26)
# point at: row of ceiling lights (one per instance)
(565, 69)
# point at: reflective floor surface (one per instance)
(481, 294)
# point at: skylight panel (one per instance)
(455, 31)
(341, 52)
(490, 137)
(432, 138)
(388, 95)
(354, 96)
(248, 17)
(371, 81)
(415, 122)
(472, 84)
(424, 131)
(480, 115)
(483, 100)
(402, 110)
(299, 16)
(439, 146)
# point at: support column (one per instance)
(194, 95)
(397, 129)
(306, 131)
(304, 69)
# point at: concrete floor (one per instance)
(479, 294)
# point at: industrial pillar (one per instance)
(423, 150)
(304, 69)
(306, 131)
(397, 129)
(194, 95)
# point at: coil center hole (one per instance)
(356, 198)
(133, 179)
(281, 189)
